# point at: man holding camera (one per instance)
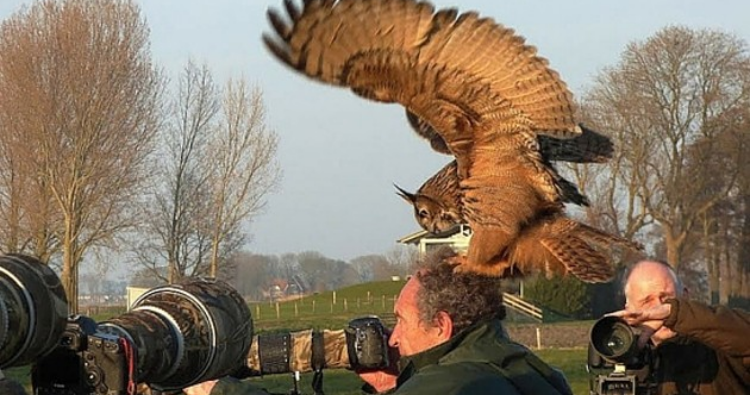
(698, 349)
(450, 340)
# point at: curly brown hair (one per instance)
(466, 297)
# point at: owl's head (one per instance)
(431, 214)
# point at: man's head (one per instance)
(648, 284)
(437, 303)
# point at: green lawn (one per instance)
(343, 382)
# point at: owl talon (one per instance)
(496, 269)
(460, 261)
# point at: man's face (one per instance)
(411, 335)
(649, 286)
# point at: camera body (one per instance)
(367, 343)
(616, 365)
(86, 361)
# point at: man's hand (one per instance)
(203, 388)
(649, 320)
(381, 380)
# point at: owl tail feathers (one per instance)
(588, 147)
(559, 245)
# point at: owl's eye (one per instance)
(423, 213)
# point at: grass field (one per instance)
(343, 382)
(320, 312)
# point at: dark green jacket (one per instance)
(479, 360)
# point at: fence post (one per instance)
(296, 310)
(313, 306)
(538, 339)
(383, 302)
(346, 305)
(278, 315)
(334, 297)
(257, 311)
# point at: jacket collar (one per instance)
(490, 328)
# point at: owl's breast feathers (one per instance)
(507, 186)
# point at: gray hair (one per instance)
(466, 297)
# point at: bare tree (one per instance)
(667, 93)
(217, 167)
(77, 78)
(243, 159)
(173, 235)
(403, 259)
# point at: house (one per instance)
(457, 238)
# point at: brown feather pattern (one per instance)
(485, 93)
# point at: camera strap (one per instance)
(318, 361)
(130, 359)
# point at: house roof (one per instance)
(414, 238)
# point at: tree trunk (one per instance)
(70, 268)
(215, 256)
(743, 255)
(674, 248)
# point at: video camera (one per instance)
(174, 336)
(616, 365)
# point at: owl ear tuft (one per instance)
(409, 197)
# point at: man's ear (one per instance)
(444, 323)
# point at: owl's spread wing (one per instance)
(556, 244)
(467, 77)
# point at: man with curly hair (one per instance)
(450, 339)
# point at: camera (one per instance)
(616, 365)
(361, 345)
(33, 310)
(174, 336)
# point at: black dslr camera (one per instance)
(367, 344)
(616, 365)
(86, 361)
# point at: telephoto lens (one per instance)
(33, 310)
(183, 334)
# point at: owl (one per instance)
(552, 242)
(484, 93)
(437, 203)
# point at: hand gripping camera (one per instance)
(173, 337)
(615, 363)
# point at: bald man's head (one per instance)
(652, 276)
(648, 285)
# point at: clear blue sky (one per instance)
(341, 154)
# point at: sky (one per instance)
(341, 154)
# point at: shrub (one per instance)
(563, 295)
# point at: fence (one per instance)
(381, 305)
